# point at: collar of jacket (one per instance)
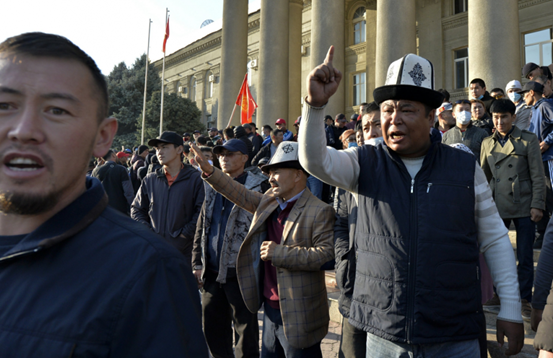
(184, 173)
(66, 223)
(516, 133)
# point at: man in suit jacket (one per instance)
(279, 262)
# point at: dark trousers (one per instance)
(526, 229)
(353, 342)
(275, 344)
(223, 306)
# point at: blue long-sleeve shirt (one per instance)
(541, 124)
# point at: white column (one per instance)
(234, 52)
(327, 28)
(494, 42)
(395, 34)
(273, 63)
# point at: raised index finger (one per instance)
(329, 56)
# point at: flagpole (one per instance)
(146, 81)
(163, 78)
(232, 115)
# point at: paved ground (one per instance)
(330, 344)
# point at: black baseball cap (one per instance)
(197, 131)
(186, 134)
(529, 67)
(532, 86)
(233, 145)
(167, 137)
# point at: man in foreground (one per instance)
(424, 211)
(78, 278)
(280, 260)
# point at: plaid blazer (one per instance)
(307, 243)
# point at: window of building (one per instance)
(460, 6)
(538, 47)
(209, 80)
(193, 89)
(461, 64)
(359, 87)
(359, 25)
(209, 121)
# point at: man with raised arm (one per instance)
(279, 262)
(424, 212)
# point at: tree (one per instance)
(179, 115)
(126, 94)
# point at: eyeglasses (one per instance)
(465, 101)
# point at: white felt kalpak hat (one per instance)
(286, 156)
(412, 78)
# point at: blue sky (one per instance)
(111, 31)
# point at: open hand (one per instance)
(323, 81)
(201, 159)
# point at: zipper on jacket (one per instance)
(412, 262)
(20, 253)
(445, 184)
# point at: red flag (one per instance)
(166, 34)
(246, 102)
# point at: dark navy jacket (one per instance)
(91, 282)
(417, 276)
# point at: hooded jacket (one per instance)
(91, 282)
(171, 211)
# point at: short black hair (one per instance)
(359, 125)
(274, 132)
(503, 105)
(266, 126)
(497, 89)
(201, 140)
(372, 107)
(108, 154)
(340, 116)
(445, 94)
(39, 44)
(229, 132)
(328, 116)
(479, 81)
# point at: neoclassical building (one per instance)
(279, 44)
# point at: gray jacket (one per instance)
(237, 228)
(472, 138)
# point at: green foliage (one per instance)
(126, 93)
(179, 115)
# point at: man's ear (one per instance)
(431, 116)
(104, 136)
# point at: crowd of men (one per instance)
(410, 202)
